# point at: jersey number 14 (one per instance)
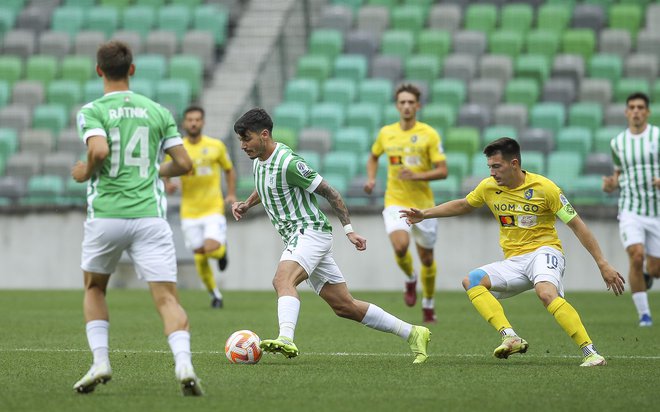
(141, 137)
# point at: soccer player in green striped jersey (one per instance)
(287, 187)
(636, 156)
(126, 136)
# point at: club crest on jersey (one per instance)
(507, 221)
(271, 181)
(205, 151)
(413, 139)
(529, 193)
(303, 169)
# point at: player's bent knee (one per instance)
(474, 278)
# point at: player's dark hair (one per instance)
(410, 88)
(506, 146)
(193, 108)
(254, 120)
(638, 95)
(114, 59)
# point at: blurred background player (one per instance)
(526, 206)
(415, 156)
(125, 134)
(636, 156)
(203, 219)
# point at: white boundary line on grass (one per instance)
(210, 352)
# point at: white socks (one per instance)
(97, 337)
(288, 308)
(641, 301)
(428, 303)
(180, 344)
(377, 318)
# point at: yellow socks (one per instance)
(205, 272)
(405, 263)
(219, 253)
(569, 320)
(428, 280)
(488, 307)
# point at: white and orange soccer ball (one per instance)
(243, 347)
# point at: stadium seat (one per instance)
(78, 68)
(536, 139)
(373, 18)
(615, 41)
(362, 42)
(53, 117)
(448, 91)
(511, 114)
(40, 141)
(440, 116)
(599, 164)
(615, 115)
(69, 20)
(23, 165)
(105, 19)
(560, 90)
(648, 42)
(470, 42)
(161, 42)
(139, 19)
(569, 65)
(495, 132)
(532, 66)
(212, 18)
(596, 91)
(343, 163)
(434, 43)
(4, 92)
(117, 4)
(390, 114)
(351, 66)
(69, 141)
(8, 142)
(64, 92)
(506, 42)
(293, 116)
(551, 116)
(16, 116)
(606, 66)
(353, 139)
(543, 42)
(575, 139)
(200, 43)
(286, 136)
(313, 67)
(564, 167)
(313, 159)
(481, 17)
(59, 164)
(387, 67)
(485, 91)
(7, 19)
(422, 67)
(627, 86)
(496, 67)
(553, 17)
(458, 164)
(340, 91)
(626, 16)
(588, 16)
(189, 68)
(326, 42)
(579, 41)
(174, 94)
(587, 190)
(337, 17)
(603, 136)
(398, 43)
(54, 43)
(304, 91)
(643, 66)
(460, 66)
(475, 115)
(176, 18)
(11, 69)
(86, 42)
(585, 114)
(445, 189)
(42, 68)
(517, 17)
(367, 115)
(374, 90)
(150, 67)
(462, 139)
(445, 16)
(93, 89)
(522, 91)
(43, 190)
(533, 161)
(408, 17)
(314, 139)
(144, 87)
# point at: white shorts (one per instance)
(644, 230)
(148, 242)
(207, 227)
(313, 251)
(520, 273)
(425, 232)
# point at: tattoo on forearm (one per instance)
(334, 198)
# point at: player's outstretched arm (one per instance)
(339, 207)
(180, 164)
(97, 152)
(612, 278)
(238, 209)
(452, 208)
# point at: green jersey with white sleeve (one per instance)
(285, 184)
(138, 130)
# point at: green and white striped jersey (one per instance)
(638, 159)
(285, 184)
(138, 130)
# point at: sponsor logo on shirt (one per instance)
(527, 221)
(303, 169)
(513, 207)
(395, 160)
(507, 221)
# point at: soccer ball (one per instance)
(243, 347)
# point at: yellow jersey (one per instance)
(417, 149)
(526, 214)
(201, 191)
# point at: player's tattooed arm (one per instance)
(334, 198)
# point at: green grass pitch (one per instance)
(343, 366)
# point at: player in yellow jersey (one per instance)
(202, 208)
(525, 206)
(415, 157)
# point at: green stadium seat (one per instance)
(522, 90)
(8, 142)
(330, 116)
(351, 66)
(117, 4)
(152, 67)
(189, 68)
(53, 117)
(156, 4)
(481, 17)
(69, 20)
(445, 189)
(78, 68)
(351, 139)
(93, 89)
(42, 68)
(175, 94)
(316, 68)
(341, 162)
(11, 69)
(140, 19)
(5, 92)
(175, 18)
(603, 136)
(544, 42)
(105, 19)
(533, 161)
(65, 92)
(551, 116)
(579, 41)
(389, 4)
(367, 115)
(533, 66)
(479, 165)
(143, 86)
(408, 17)
(655, 91)
(564, 167)
(398, 43)
(553, 17)
(338, 181)
(7, 20)
(313, 159)
(587, 190)
(517, 17)
(341, 91)
(304, 91)
(434, 43)
(627, 86)
(506, 42)
(212, 18)
(492, 133)
(458, 164)
(449, 91)
(245, 186)
(586, 114)
(654, 117)
(606, 66)
(375, 91)
(439, 115)
(187, 3)
(43, 190)
(287, 136)
(575, 139)
(84, 4)
(352, 4)
(462, 139)
(391, 114)
(422, 67)
(293, 116)
(627, 17)
(326, 42)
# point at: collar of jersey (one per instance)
(117, 92)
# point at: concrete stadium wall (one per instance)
(42, 251)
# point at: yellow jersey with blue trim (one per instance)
(526, 214)
(201, 190)
(417, 149)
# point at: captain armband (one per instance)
(566, 213)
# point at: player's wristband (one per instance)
(348, 229)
